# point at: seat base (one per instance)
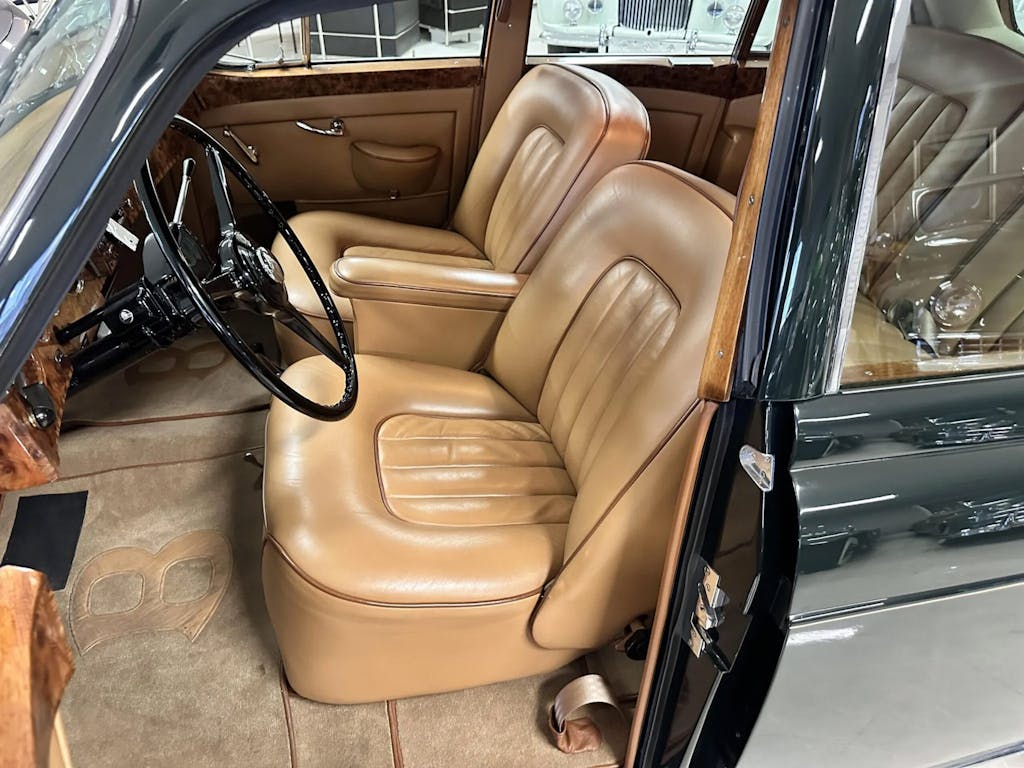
(342, 651)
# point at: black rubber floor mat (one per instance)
(45, 534)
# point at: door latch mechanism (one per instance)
(708, 614)
(760, 466)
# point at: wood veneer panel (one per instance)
(37, 666)
(716, 376)
(219, 89)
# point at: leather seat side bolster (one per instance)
(394, 280)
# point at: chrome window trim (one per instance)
(880, 129)
(66, 124)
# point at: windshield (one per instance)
(38, 79)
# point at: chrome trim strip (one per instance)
(988, 757)
(883, 111)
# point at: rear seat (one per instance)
(950, 187)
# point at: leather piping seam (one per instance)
(579, 309)
(583, 166)
(384, 495)
(622, 492)
(681, 176)
(435, 151)
(269, 539)
(422, 288)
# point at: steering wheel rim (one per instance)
(255, 363)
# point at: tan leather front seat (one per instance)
(560, 130)
(462, 528)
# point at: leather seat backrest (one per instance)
(605, 344)
(560, 130)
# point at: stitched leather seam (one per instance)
(434, 152)
(503, 465)
(482, 496)
(624, 490)
(611, 348)
(268, 539)
(579, 310)
(380, 475)
(585, 164)
(686, 179)
(494, 294)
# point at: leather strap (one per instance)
(580, 734)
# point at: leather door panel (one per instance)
(689, 105)
(315, 171)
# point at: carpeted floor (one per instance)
(175, 658)
(194, 377)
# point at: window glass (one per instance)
(405, 29)
(941, 289)
(643, 27)
(39, 76)
(1017, 6)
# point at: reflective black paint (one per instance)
(926, 478)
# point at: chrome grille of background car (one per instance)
(655, 15)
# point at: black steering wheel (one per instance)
(243, 275)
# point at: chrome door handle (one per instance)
(337, 128)
(247, 149)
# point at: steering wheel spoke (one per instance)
(251, 280)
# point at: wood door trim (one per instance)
(221, 89)
(716, 375)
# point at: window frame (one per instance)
(305, 52)
(869, 190)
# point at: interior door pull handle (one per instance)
(247, 149)
(337, 128)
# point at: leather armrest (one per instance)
(407, 282)
(420, 257)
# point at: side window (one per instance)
(1017, 9)
(658, 28)
(941, 288)
(404, 29)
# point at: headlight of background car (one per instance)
(572, 10)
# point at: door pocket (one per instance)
(393, 170)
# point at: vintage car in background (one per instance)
(669, 27)
(476, 406)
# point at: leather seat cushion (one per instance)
(407, 472)
(450, 511)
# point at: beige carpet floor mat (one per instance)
(176, 663)
(192, 378)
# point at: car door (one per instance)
(897, 351)
(371, 110)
